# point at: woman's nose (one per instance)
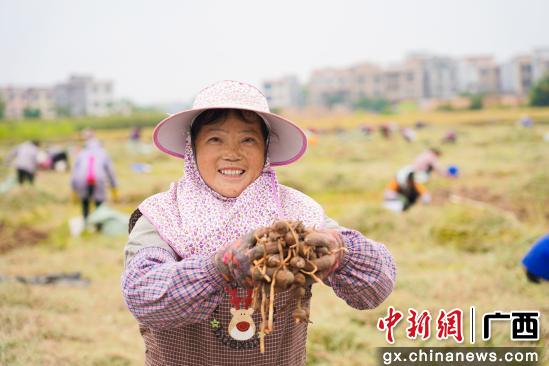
(232, 153)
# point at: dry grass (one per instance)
(448, 254)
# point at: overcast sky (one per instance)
(160, 51)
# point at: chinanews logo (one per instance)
(523, 325)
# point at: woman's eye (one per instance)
(249, 140)
(214, 139)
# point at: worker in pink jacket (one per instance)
(426, 163)
(91, 171)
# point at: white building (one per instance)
(438, 73)
(330, 87)
(540, 63)
(284, 92)
(520, 73)
(82, 95)
(404, 81)
(516, 75)
(478, 75)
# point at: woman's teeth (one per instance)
(232, 172)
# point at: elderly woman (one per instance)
(177, 281)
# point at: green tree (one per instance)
(373, 104)
(539, 94)
(62, 112)
(332, 99)
(476, 101)
(31, 113)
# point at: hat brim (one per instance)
(287, 142)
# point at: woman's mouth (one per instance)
(231, 172)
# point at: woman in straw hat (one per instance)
(177, 281)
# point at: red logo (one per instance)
(419, 324)
(450, 325)
(389, 322)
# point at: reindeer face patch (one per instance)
(242, 325)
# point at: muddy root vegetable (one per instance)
(286, 257)
(273, 260)
(297, 262)
(274, 236)
(309, 267)
(322, 251)
(280, 227)
(316, 240)
(289, 239)
(257, 275)
(261, 249)
(284, 279)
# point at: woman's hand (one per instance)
(333, 241)
(234, 261)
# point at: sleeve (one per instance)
(161, 290)
(367, 273)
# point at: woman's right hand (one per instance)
(234, 261)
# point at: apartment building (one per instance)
(365, 81)
(403, 82)
(82, 95)
(330, 87)
(478, 75)
(423, 77)
(438, 75)
(540, 63)
(345, 87)
(520, 73)
(419, 77)
(283, 92)
(27, 102)
(516, 75)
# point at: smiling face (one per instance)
(230, 154)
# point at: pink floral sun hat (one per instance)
(287, 142)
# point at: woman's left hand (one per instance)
(336, 246)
